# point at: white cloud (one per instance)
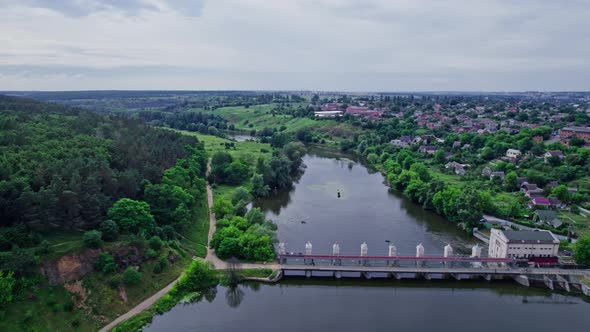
(296, 44)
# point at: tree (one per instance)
(582, 251)
(372, 158)
(132, 216)
(197, 276)
(7, 283)
(109, 230)
(240, 194)
(422, 171)
(576, 141)
(510, 181)
(156, 243)
(228, 247)
(237, 172)
(165, 199)
(255, 216)
(92, 239)
(440, 157)
(561, 192)
(256, 248)
(259, 188)
(131, 276)
(222, 207)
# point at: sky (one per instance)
(327, 45)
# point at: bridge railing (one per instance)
(391, 260)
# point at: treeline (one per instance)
(185, 120)
(63, 168)
(242, 233)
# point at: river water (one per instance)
(366, 211)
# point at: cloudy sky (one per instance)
(350, 45)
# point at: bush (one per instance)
(92, 239)
(110, 230)
(131, 276)
(161, 265)
(115, 281)
(168, 232)
(69, 305)
(151, 253)
(44, 248)
(7, 282)
(197, 276)
(106, 263)
(156, 243)
(240, 194)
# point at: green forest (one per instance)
(109, 189)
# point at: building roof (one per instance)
(541, 201)
(529, 236)
(578, 129)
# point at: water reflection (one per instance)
(234, 296)
(365, 211)
(369, 305)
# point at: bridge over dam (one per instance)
(432, 268)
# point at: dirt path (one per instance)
(211, 257)
(140, 307)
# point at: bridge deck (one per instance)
(418, 269)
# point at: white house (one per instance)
(513, 153)
(522, 244)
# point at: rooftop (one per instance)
(529, 236)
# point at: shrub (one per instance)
(92, 239)
(44, 248)
(151, 253)
(115, 281)
(131, 276)
(197, 276)
(161, 265)
(69, 305)
(110, 230)
(105, 263)
(168, 232)
(7, 282)
(156, 243)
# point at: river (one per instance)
(367, 212)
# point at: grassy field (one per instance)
(260, 116)
(248, 151)
(581, 224)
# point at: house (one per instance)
(513, 153)
(520, 180)
(486, 171)
(534, 193)
(522, 244)
(459, 168)
(456, 144)
(550, 154)
(579, 132)
(498, 175)
(428, 149)
(548, 217)
(327, 114)
(556, 203)
(402, 142)
(540, 202)
(528, 186)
